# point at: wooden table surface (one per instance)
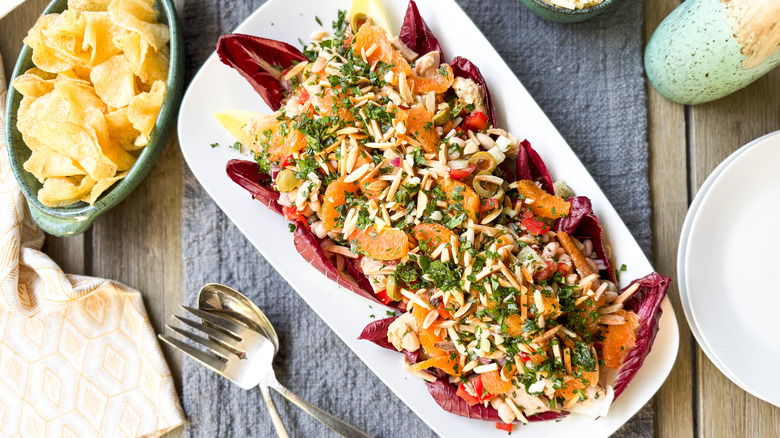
(138, 243)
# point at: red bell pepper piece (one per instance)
(482, 394)
(475, 121)
(461, 173)
(563, 268)
(487, 204)
(304, 96)
(293, 214)
(504, 426)
(384, 297)
(546, 272)
(442, 311)
(470, 399)
(535, 226)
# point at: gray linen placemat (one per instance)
(587, 77)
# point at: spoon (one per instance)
(220, 299)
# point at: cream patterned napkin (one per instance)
(78, 356)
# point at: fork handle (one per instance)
(281, 431)
(323, 417)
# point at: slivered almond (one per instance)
(508, 274)
(403, 89)
(357, 173)
(425, 375)
(422, 203)
(415, 299)
(515, 410)
(430, 318)
(463, 310)
(295, 70)
(351, 159)
(489, 179)
(486, 368)
(627, 293)
(337, 249)
(430, 102)
(454, 248)
(547, 335)
(439, 249)
(611, 320)
(610, 309)
(487, 271)
(567, 360)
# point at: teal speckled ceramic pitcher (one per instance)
(707, 49)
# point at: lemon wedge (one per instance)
(235, 120)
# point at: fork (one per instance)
(244, 356)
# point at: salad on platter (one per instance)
(386, 157)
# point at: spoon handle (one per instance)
(281, 431)
(323, 417)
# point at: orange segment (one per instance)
(335, 195)
(432, 234)
(438, 83)
(369, 36)
(514, 325)
(459, 193)
(619, 339)
(388, 244)
(428, 338)
(570, 388)
(419, 125)
(494, 384)
(279, 146)
(444, 363)
(545, 204)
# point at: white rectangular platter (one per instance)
(216, 87)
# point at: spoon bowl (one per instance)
(218, 298)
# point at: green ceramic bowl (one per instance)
(562, 15)
(75, 219)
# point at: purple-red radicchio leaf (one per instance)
(463, 68)
(583, 224)
(262, 62)
(530, 166)
(417, 35)
(376, 332)
(247, 175)
(445, 396)
(308, 246)
(646, 303)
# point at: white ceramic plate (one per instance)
(217, 87)
(683, 247)
(730, 267)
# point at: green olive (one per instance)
(485, 189)
(499, 195)
(392, 289)
(286, 180)
(358, 20)
(442, 117)
(483, 161)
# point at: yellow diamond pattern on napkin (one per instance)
(78, 356)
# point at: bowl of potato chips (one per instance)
(92, 100)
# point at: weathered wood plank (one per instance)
(717, 129)
(139, 244)
(674, 407)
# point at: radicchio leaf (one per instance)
(530, 166)
(417, 35)
(261, 62)
(358, 275)
(247, 175)
(376, 332)
(308, 246)
(463, 68)
(583, 224)
(445, 396)
(646, 303)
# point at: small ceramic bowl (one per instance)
(75, 219)
(563, 15)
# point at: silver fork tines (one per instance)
(224, 339)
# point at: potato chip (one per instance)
(60, 192)
(140, 16)
(88, 5)
(114, 81)
(148, 64)
(101, 186)
(47, 163)
(121, 130)
(77, 142)
(143, 110)
(93, 97)
(99, 35)
(31, 85)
